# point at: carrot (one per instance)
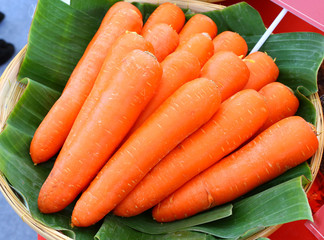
(199, 23)
(85, 151)
(284, 145)
(194, 103)
(163, 38)
(52, 132)
(178, 68)
(281, 103)
(121, 47)
(200, 45)
(228, 71)
(262, 68)
(246, 110)
(230, 41)
(166, 13)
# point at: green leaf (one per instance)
(58, 37)
(280, 204)
(298, 56)
(113, 228)
(26, 118)
(146, 224)
(240, 18)
(96, 8)
(306, 109)
(16, 164)
(301, 170)
(146, 9)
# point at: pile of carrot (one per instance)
(167, 115)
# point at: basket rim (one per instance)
(51, 233)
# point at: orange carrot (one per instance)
(85, 151)
(200, 45)
(230, 41)
(199, 23)
(262, 68)
(166, 13)
(228, 71)
(281, 103)
(163, 38)
(121, 47)
(246, 110)
(52, 132)
(194, 103)
(178, 68)
(284, 145)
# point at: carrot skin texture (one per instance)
(199, 23)
(166, 13)
(263, 70)
(230, 41)
(52, 132)
(118, 51)
(281, 103)
(200, 45)
(195, 102)
(228, 71)
(284, 145)
(213, 141)
(178, 68)
(87, 150)
(163, 38)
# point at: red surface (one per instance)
(298, 230)
(40, 237)
(269, 11)
(310, 12)
(293, 231)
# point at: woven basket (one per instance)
(11, 90)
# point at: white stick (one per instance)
(66, 1)
(269, 30)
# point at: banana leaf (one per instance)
(240, 18)
(262, 210)
(96, 8)
(17, 166)
(58, 38)
(306, 109)
(287, 50)
(146, 224)
(113, 228)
